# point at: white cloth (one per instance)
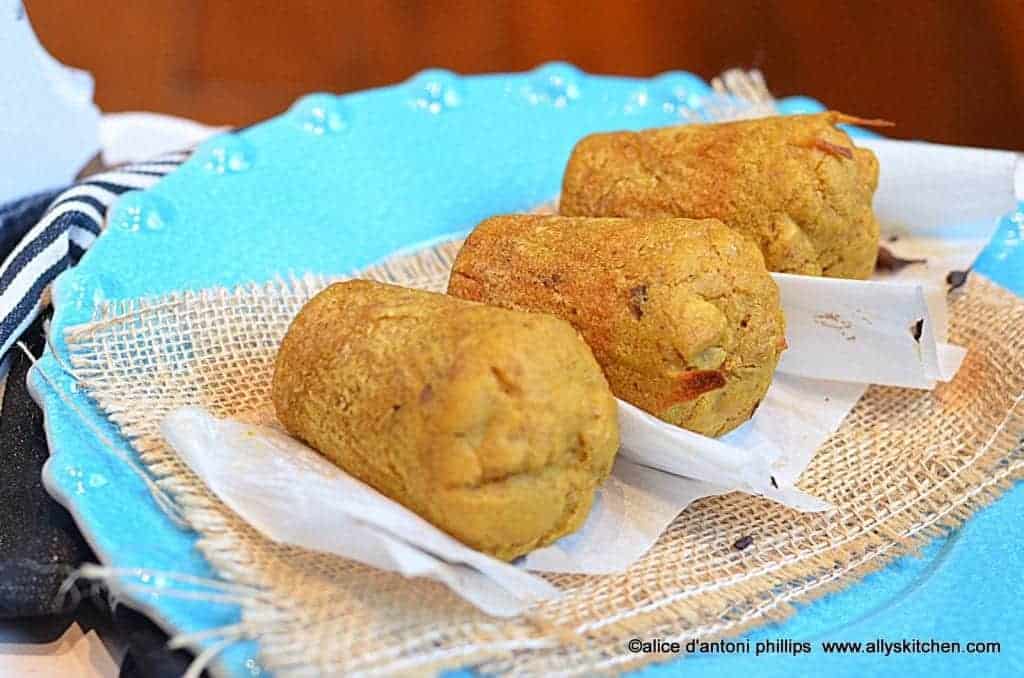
(49, 126)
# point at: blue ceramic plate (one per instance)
(339, 182)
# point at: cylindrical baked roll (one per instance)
(682, 315)
(797, 185)
(494, 425)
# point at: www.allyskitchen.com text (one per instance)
(779, 646)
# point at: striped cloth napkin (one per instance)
(68, 226)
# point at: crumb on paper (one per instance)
(833, 321)
(863, 315)
(887, 261)
(836, 322)
(957, 279)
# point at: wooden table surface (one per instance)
(950, 71)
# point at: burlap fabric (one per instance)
(904, 466)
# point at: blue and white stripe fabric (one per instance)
(68, 227)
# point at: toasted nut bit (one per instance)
(694, 384)
(637, 299)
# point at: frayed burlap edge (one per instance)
(904, 467)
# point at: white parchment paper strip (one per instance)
(943, 191)
(864, 331)
(764, 456)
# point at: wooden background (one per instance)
(945, 70)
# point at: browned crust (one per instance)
(681, 314)
(766, 178)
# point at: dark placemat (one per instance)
(40, 546)
(39, 542)
(147, 654)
